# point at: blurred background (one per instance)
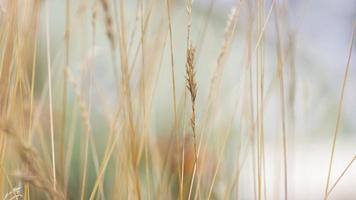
(318, 35)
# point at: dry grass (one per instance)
(82, 118)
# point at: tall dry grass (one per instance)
(63, 137)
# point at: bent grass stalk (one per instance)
(340, 106)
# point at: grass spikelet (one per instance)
(108, 22)
(190, 78)
(34, 171)
(192, 88)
